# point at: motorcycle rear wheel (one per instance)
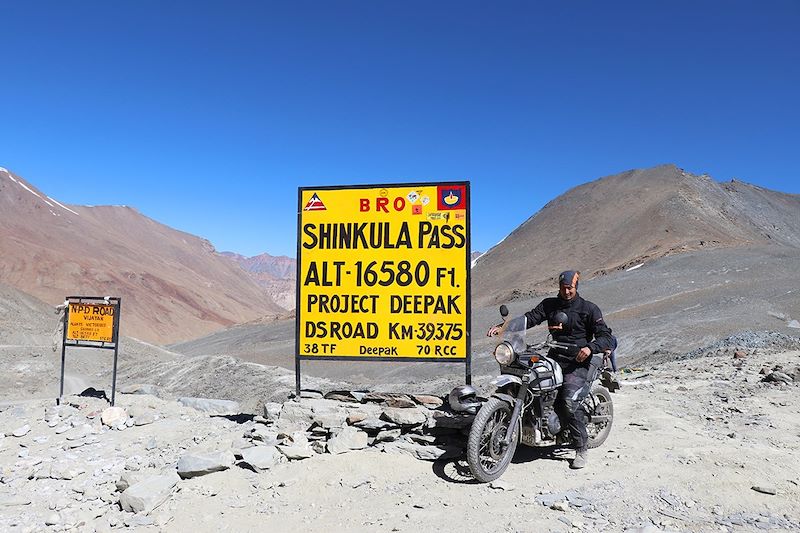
(600, 412)
(488, 458)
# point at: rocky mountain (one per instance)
(623, 220)
(173, 285)
(200, 440)
(275, 267)
(726, 266)
(276, 274)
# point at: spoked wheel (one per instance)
(487, 456)
(600, 413)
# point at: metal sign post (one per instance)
(63, 357)
(383, 274)
(91, 322)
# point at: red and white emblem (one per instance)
(314, 204)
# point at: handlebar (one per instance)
(553, 344)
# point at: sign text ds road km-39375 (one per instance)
(383, 272)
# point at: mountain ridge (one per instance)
(633, 217)
(173, 285)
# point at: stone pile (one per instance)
(85, 466)
(777, 374)
(416, 425)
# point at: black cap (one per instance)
(569, 277)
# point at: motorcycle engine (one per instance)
(553, 424)
(549, 416)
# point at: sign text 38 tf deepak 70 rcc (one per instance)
(383, 272)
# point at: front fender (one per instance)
(510, 401)
(506, 398)
(503, 380)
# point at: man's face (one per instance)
(567, 292)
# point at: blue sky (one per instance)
(207, 116)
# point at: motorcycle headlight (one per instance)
(504, 353)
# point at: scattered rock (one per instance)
(272, 411)
(778, 377)
(390, 399)
(148, 494)
(13, 500)
(405, 417)
(446, 419)
(374, 424)
(212, 407)
(126, 479)
(331, 419)
(112, 416)
(143, 415)
(431, 402)
(346, 439)
(355, 418)
(297, 414)
(388, 435)
(501, 485)
(296, 452)
(765, 490)
(261, 458)
(65, 471)
(420, 451)
(141, 388)
(139, 520)
(21, 431)
(560, 506)
(191, 465)
(342, 396)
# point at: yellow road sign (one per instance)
(384, 272)
(90, 322)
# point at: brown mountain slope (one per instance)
(173, 285)
(276, 274)
(622, 220)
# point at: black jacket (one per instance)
(587, 327)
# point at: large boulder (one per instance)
(112, 416)
(405, 417)
(296, 415)
(149, 493)
(193, 465)
(143, 415)
(261, 458)
(449, 420)
(296, 451)
(346, 439)
(272, 411)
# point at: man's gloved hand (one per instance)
(583, 354)
(494, 330)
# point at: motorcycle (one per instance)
(521, 410)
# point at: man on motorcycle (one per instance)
(573, 320)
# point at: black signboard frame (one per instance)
(113, 345)
(468, 259)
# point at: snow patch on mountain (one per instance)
(63, 206)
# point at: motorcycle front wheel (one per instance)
(487, 456)
(600, 412)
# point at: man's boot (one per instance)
(581, 458)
